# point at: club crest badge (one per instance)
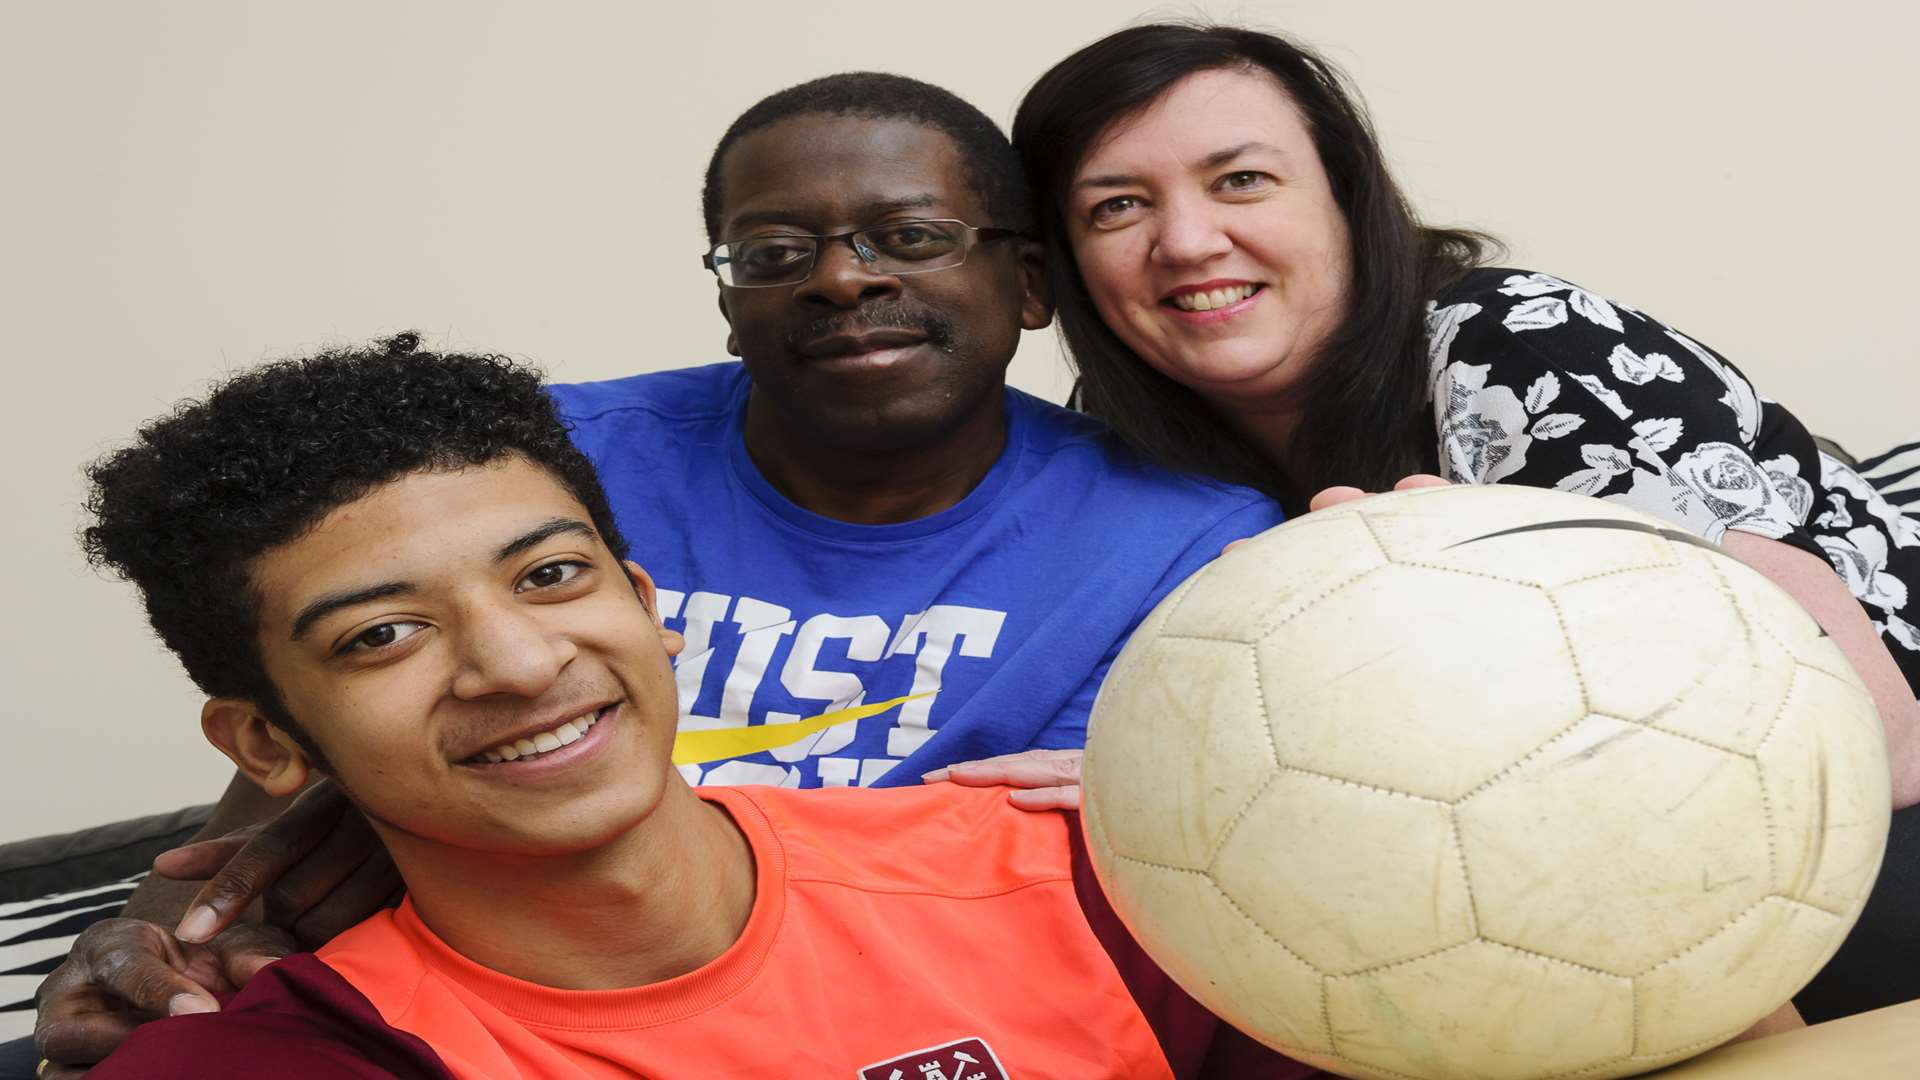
(966, 1059)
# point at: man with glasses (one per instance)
(883, 560)
(864, 519)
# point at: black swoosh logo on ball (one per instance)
(1612, 523)
(1598, 523)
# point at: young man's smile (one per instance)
(542, 742)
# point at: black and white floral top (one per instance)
(1537, 381)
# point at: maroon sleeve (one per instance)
(1198, 1044)
(296, 1020)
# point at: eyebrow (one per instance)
(326, 605)
(870, 210)
(1211, 161)
(541, 533)
(323, 606)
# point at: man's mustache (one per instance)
(886, 315)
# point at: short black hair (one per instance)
(185, 510)
(993, 169)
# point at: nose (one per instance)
(842, 279)
(504, 649)
(1189, 232)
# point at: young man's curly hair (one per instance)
(201, 493)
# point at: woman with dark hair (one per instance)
(1246, 294)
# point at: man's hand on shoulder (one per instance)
(317, 867)
(124, 972)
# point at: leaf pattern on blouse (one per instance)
(1535, 380)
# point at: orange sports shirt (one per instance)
(932, 933)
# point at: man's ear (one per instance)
(733, 347)
(1036, 305)
(649, 598)
(267, 755)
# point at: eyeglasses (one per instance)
(896, 248)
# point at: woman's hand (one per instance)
(1046, 779)
(1334, 496)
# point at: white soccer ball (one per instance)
(1485, 782)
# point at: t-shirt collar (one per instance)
(983, 494)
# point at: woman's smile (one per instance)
(1213, 301)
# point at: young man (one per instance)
(396, 570)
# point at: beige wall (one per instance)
(190, 187)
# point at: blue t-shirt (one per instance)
(826, 653)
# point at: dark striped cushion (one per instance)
(1897, 474)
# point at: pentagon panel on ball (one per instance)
(1325, 667)
(1412, 897)
(1714, 656)
(1620, 890)
(1485, 782)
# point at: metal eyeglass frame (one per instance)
(863, 249)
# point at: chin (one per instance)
(573, 826)
(898, 426)
(1233, 378)
(568, 836)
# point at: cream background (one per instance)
(188, 188)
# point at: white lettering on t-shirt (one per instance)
(931, 635)
(762, 625)
(866, 638)
(702, 610)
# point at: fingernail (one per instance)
(197, 926)
(182, 1004)
(933, 777)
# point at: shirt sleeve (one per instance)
(296, 1020)
(1537, 381)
